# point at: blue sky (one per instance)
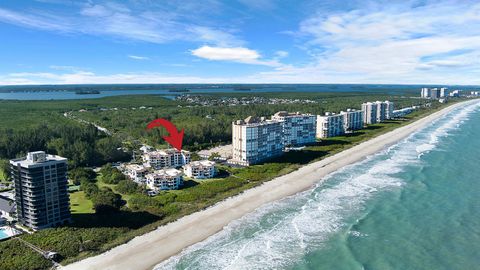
(239, 41)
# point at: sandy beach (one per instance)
(144, 252)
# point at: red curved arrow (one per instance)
(175, 138)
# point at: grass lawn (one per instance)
(79, 204)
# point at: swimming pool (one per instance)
(6, 232)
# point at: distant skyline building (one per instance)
(369, 113)
(256, 139)
(352, 120)
(381, 111)
(166, 158)
(434, 93)
(41, 196)
(426, 92)
(167, 179)
(389, 108)
(330, 125)
(298, 128)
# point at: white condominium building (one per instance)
(164, 179)
(166, 158)
(200, 169)
(443, 92)
(330, 125)
(425, 92)
(298, 129)
(256, 139)
(389, 108)
(136, 172)
(352, 120)
(434, 93)
(381, 111)
(369, 113)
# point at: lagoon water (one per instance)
(63, 92)
(413, 206)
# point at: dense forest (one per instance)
(206, 126)
(83, 145)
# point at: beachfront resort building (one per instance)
(376, 112)
(352, 120)
(369, 113)
(41, 196)
(330, 125)
(434, 93)
(298, 128)
(136, 172)
(166, 158)
(200, 169)
(167, 179)
(255, 140)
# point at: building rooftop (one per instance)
(167, 172)
(36, 158)
(166, 152)
(286, 114)
(135, 167)
(256, 121)
(200, 163)
(7, 205)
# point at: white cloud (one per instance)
(233, 54)
(137, 57)
(155, 23)
(438, 42)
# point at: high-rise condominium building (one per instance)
(426, 92)
(352, 120)
(330, 125)
(381, 111)
(298, 129)
(256, 139)
(369, 113)
(443, 92)
(41, 195)
(389, 108)
(166, 158)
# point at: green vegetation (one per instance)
(108, 211)
(79, 204)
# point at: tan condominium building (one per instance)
(298, 129)
(256, 139)
(352, 120)
(166, 158)
(164, 179)
(136, 172)
(329, 125)
(200, 169)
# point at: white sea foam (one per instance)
(281, 233)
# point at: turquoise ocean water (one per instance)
(415, 205)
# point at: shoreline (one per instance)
(148, 250)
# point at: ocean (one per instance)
(414, 205)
